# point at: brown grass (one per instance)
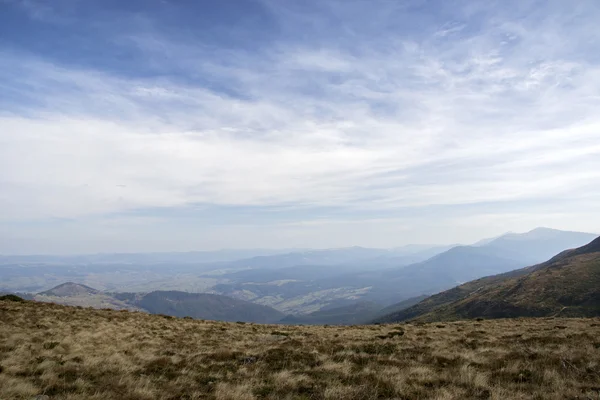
(75, 353)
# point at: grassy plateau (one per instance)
(78, 353)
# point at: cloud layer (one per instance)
(413, 118)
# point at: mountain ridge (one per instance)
(567, 284)
(69, 289)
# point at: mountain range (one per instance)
(172, 303)
(346, 285)
(566, 285)
(306, 289)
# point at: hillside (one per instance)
(457, 265)
(70, 289)
(206, 306)
(566, 285)
(174, 303)
(402, 305)
(66, 353)
(76, 294)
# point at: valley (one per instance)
(297, 283)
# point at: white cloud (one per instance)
(461, 116)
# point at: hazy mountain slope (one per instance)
(313, 257)
(70, 289)
(193, 257)
(459, 264)
(444, 298)
(465, 263)
(401, 256)
(568, 285)
(358, 313)
(206, 306)
(305, 289)
(298, 272)
(75, 294)
(537, 245)
(295, 282)
(178, 304)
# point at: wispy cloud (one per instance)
(470, 108)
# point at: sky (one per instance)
(163, 125)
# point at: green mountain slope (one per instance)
(567, 285)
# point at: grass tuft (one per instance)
(71, 353)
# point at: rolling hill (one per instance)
(206, 306)
(173, 303)
(566, 285)
(305, 289)
(76, 294)
(70, 289)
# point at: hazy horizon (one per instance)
(283, 250)
(186, 126)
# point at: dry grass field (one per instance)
(75, 353)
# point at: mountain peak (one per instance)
(566, 285)
(70, 289)
(543, 229)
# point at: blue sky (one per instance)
(187, 125)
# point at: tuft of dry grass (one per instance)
(76, 353)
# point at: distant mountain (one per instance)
(313, 257)
(358, 313)
(76, 294)
(194, 272)
(386, 280)
(174, 303)
(403, 256)
(537, 245)
(70, 289)
(142, 258)
(294, 282)
(485, 241)
(206, 306)
(465, 263)
(457, 265)
(566, 285)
